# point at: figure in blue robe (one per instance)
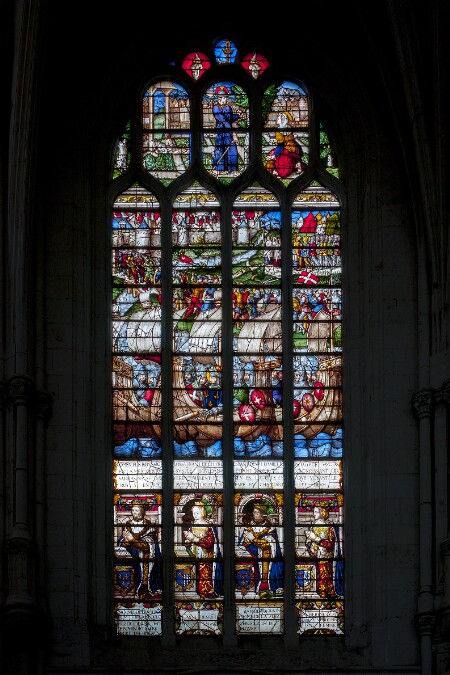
(225, 154)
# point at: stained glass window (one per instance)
(228, 494)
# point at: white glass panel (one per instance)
(137, 475)
(318, 474)
(202, 474)
(258, 474)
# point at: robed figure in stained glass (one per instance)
(260, 538)
(320, 544)
(286, 158)
(139, 538)
(225, 154)
(201, 543)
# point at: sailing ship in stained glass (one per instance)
(317, 326)
(197, 324)
(136, 329)
(257, 332)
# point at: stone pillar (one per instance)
(2, 491)
(22, 614)
(23, 625)
(423, 403)
(444, 548)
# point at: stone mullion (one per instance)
(168, 626)
(229, 601)
(290, 617)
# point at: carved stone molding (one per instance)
(21, 555)
(423, 403)
(21, 390)
(20, 545)
(426, 623)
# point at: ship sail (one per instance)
(141, 335)
(260, 335)
(204, 337)
(326, 413)
(320, 333)
(144, 331)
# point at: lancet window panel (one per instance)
(227, 417)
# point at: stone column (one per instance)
(423, 403)
(444, 627)
(23, 625)
(22, 614)
(2, 489)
